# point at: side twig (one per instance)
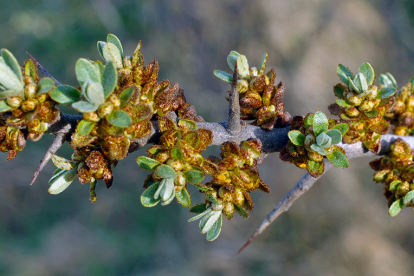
(233, 121)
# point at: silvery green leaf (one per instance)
(95, 93)
(45, 85)
(99, 67)
(126, 95)
(4, 106)
(396, 207)
(335, 135)
(320, 123)
(194, 176)
(323, 140)
(168, 190)
(408, 198)
(344, 74)
(10, 93)
(242, 212)
(184, 197)
(385, 81)
(360, 83)
(63, 163)
(211, 198)
(318, 149)
(119, 118)
(392, 80)
(63, 181)
(83, 106)
(100, 46)
(231, 59)
(112, 53)
(386, 92)
(160, 189)
(200, 215)
(210, 221)
(243, 67)
(109, 79)
(352, 86)
(168, 200)
(56, 174)
(368, 72)
(85, 71)
(147, 163)
(65, 94)
(8, 78)
(12, 62)
(147, 197)
(165, 171)
(111, 38)
(223, 76)
(215, 230)
(263, 64)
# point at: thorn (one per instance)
(233, 121)
(43, 70)
(246, 244)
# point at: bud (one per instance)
(353, 98)
(30, 91)
(180, 179)
(242, 86)
(42, 98)
(238, 196)
(27, 80)
(403, 188)
(115, 101)
(29, 105)
(177, 165)
(91, 116)
(228, 209)
(352, 111)
(105, 109)
(14, 102)
(314, 156)
(225, 194)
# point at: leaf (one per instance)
(360, 83)
(109, 79)
(323, 140)
(83, 106)
(408, 198)
(63, 163)
(223, 76)
(65, 94)
(296, 137)
(111, 38)
(386, 92)
(12, 62)
(100, 46)
(344, 74)
(313, 166)
(372, 113)
(44, 86)
(203, 188)
(241, 210)
(342, 103)
(168, 190)
(99, 67)
(338, 159)
(263, 64)
(243, 67)
(147, 197)
(95, 93)
(211, 198)
(170, 199)
(343, 128)
(147, 163)
(336, 136)
(126, 95)
(8, 78)
(194, 176)
(119, 118)
(190, 124)
(85, 127)
(10, 93)
(63, 181)
(30, 69)
(396, 207)
(394, 185)
(308, 120)
(368, 72)
(206, 212)
(85, 71)
(412, 84)
(165, 171)
(112, 53)
(210, 221)
(176, 153)
(231, 59)
(320, 123)
(56, 174)
(160, 189)
(392, 80)
(199, 208)
(339, 91)
(318, 149)
(4, 106)
(215, 230)
(184, 197)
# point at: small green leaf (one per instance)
(392, 80)
(241, 211)
(372, 113)
(63, 181)
(184, 197)
(215, 230)
(109, 78)
(176, 153)
(147, 163)
(10, 93)
(309, 120)
(119, 118)
(45, 85)
(344, 74)
(111, 38)
(85, 127)
(324, 140)
(65, 94)
(412, 84)
(147, 197)
(296, 137)
(100, 46)
(243, 67)
(320, 123)
(95, 93)
(210, 220)
(203, 188)
(56, 174)
(343, 128)
(342, 103)
(126, 95)
(161, 187)
(194, 176)
(99, 67)
(4, 106)
(165, 171)
(336, 136)
(313, 166)
(368, 72)
(168, 190)
(231, 59)
(360, 83)
(408, 198)
(263, 64)
(223, 76)
(190, 124)
(63, 163)
(386, 92)
(12, 62)
(211, 198)
(199, 208)
(394, 185)
(339, 91)
(318, 149)
(83, 106)
(30, 69)
(206, 212)
(338, 159)
(112, 53)
(396, 207)
(85, 71)
(8, 78)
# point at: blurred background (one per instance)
(341, 226)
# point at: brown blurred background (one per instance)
(340, 227)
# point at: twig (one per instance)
(43, 70)
(233, 125)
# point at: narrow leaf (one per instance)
(126, 95)
(320, 123)
(85, 127)
(408, 198)
(243, 67)
(85, 71)
(112, 53)
(360, 83)
(184, 197)
(109, 79)
(45, 85)
(168, 189)
(386, 92)
(147, 197)
(223, 76)
(194, 176)
(63, 163)
(12, 62)
(100, 46)
(344, 74)
(342, 103)
(296, 137)
(338, 159)
(203, 188)
(111, 38)
(211, 198)
(215, 215)
(241, 211)
(263, 64)
(10, 93)
(8, 78)
(231, 59)
(396, 207)
(65, 94)
(206, 212)
(147, 163)
(119, 118)
(368, 72)
(215, 230)
(83, 106)
(199, 208)
(62, 182)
